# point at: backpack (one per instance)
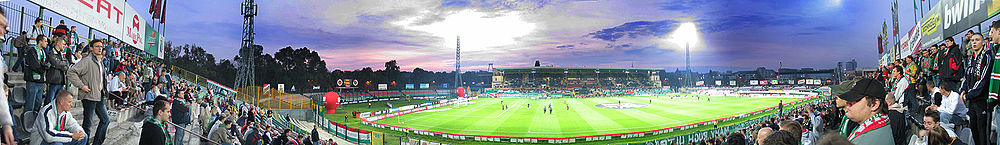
(21, 42)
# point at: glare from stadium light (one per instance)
(479, 30)
(685, 33)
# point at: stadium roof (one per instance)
(579, 68)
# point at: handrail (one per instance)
(191, 132)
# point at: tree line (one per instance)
(304, 68)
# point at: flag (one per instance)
(915, 5)
(880, 49)
(884, 26)
(154, 8)
(163, 12)
(895, 17)
(158, 9)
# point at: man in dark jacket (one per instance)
(315, 135)
(951, 61)
(182, 117)
(34, 76)
(55, 76)
(974, 88)
(154, 130)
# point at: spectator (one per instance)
(36, 30)
(974, 88)
(865, 105)
(56, 74)
(951, 60)
(222, 135)
(6, 119)
(950, 108)
(89, 76)
(994, 87)
(762, 134)
(281, 139)
(35, 74)
(72, 37)
(938, 136)
(115, 86)
(55, 124)
(781, 137)
(182, 117)
(154, 93)
(833, 138)
(61, 29)
(899, 127)
(154, 130)
(315, 135)
(793, 127)
(734, 138)
(21, 43)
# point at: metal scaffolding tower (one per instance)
(246, 75)
(458, 62)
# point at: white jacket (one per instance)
(55, 126)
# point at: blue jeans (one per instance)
(50, 93)
(79, 142)
(96, 107)
(33, 96)
(179, 135)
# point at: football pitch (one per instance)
(485, 116)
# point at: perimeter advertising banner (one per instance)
(351, 134)
(960, 15)
(113, 17)
(153, 43)
(993, 8)
(732, 83)
(718, 83)
(930, 27)
(950, 17)
(910, 42)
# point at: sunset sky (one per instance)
(734, 34)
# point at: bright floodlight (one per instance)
(686, 33)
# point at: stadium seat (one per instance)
(965, 135)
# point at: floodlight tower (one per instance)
(686, 34)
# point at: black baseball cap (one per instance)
(864, 87)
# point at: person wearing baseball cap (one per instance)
(865, 105)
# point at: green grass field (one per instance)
(484, 116)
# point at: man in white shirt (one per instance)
(952, 105)
(902, 82)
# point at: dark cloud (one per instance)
(634, 29)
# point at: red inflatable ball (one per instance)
(331, 100)
(461, 92)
